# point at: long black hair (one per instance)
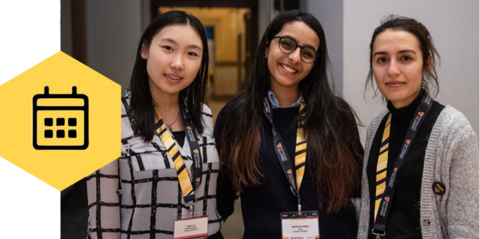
(191, 98)
(334, 149)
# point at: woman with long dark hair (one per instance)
(169, 163)
(286, 142)
(420, 177)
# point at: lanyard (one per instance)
(187, 185)
(300, 152)
(380, 222)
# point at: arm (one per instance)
(226, 194)
(462, 204)
(103, 203)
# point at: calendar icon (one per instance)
(60, 121)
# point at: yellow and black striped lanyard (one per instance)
(187, 185)
(386, 188)
(300, 151)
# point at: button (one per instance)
(426, 222)
(439, 188)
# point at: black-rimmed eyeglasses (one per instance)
(288, 45)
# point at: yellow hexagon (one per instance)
(60, 120)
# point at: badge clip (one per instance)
(299, 206)
(190, 209)
(378, 235)
(127, 148)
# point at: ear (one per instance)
(427, 64)
(144, 51)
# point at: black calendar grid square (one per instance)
(60, 132)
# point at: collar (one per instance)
(273, 99)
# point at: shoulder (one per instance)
(452, 135)
(207, 120)
(206, 111)
(228, 113)
(127, 120)
(341, 102)
(230, 109)
(374, 124)
(126, 102)
(343, 109)
(452, 122)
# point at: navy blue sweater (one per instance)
(262, 204)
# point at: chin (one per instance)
(391, 94)
(167, 89)
(287, 82)
(395, 97)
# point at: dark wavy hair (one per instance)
(191, 98)
(334, 151)
(425, 40)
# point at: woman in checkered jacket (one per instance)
(169, 164)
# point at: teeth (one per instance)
(288, 69)
(173, 77)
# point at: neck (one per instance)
(405, 102)
(168, 107)
(285, 95)
(164, 101)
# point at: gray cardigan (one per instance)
(451, 157)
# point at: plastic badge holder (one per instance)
(303, 225)
(196, 223)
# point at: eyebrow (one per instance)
(401, 52)
(306, 45)
(174, 42)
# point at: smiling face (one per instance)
(398, 66)
(287, 70)
(173, 59)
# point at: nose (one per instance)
(177, 62)
(295, 55)
(393, 69)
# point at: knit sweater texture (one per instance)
(451, 158)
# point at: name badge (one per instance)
(196, 227)
(300, 226)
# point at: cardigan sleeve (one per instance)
(103, 203)
(462, 204)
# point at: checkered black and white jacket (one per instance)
(138, 195)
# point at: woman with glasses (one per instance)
(288, 146)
